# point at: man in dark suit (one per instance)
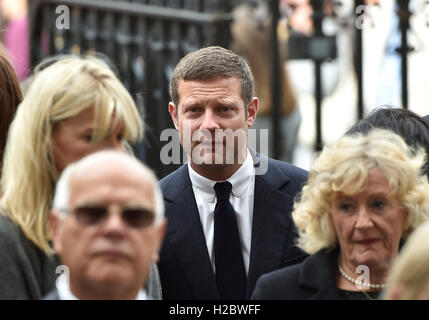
(228, 208)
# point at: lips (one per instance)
(367, 242)
(112, 253)
(211, 144)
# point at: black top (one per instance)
(185, 267)
(26, 272)
(359, 295)
(313, 279)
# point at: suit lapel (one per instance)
(186, 237)
(319, 272)
(270, 227)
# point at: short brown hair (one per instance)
(210, 63)
(10, 97)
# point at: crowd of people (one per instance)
(82, 218)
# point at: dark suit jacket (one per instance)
(185, 268)
(315, 278)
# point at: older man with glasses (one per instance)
(107, 226)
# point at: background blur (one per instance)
(354, 52)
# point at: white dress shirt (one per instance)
(241, 199)
(64, 292)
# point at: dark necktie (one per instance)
(230, 273)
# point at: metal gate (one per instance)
(144, 40)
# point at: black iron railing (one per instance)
(144, 39)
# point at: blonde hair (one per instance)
(411, 268)
(58, 92)
(344, 167)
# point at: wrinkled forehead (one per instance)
(230, 83)
(111, 185)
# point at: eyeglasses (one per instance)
(91, 215)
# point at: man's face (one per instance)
(111, 251)
(205, 112)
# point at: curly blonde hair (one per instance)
(344, 167)
(58, 92)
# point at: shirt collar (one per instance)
(65, 293)
(240, 180)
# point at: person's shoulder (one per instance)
(279, 284)
(14, 243)
(30, 272)
(164, 182)
(10, 233)
(175, 184)
(291, 170)
(283, 275)
(290, 178)
(52, 295)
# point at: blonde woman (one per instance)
(73, 107)
(364, 194)
(409, 278)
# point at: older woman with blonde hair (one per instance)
(74, 106)
(365, 193)
(409, 278)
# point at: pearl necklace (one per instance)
(357, 283)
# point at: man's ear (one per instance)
(55, 229)
(160, 233)
(252, 110)
(173, 113)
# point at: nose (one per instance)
(209, 121)
(364, 220)
(114, 225)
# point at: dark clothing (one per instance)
(185, 268)
(26, 272)
(313, 279)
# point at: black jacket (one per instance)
(184, 266)
(314, 278)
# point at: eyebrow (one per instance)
(83, 129)
(129, 205)
(91, 203)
